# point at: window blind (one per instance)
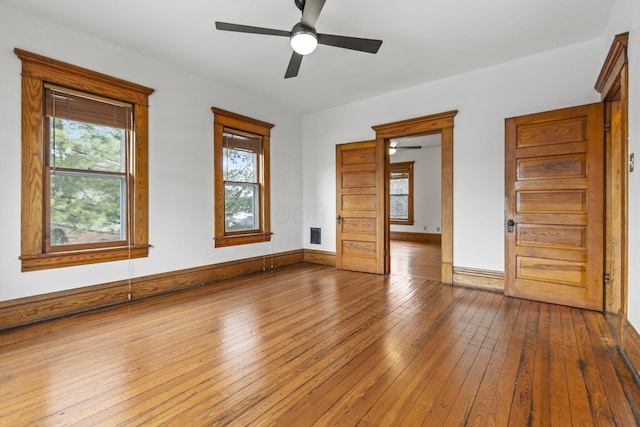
(62, 104)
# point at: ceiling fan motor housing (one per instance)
(301, 28)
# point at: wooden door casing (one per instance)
(360, 172)
(554, 185)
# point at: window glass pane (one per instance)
(240, 165)
(399, 207)
(86, 208)
(241, 207)
(77, 145)
(399, 186)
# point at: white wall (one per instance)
(484, 98)
(427, 211)
(626, 17)
(180, 160)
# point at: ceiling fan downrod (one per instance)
(299, 4)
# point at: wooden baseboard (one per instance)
(630, 347)
(476, 278)
(320, 257)
(416, 237)
(24, 311)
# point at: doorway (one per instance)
(436, 124)
(416, 205)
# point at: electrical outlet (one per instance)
(425, 228)
(632, 162)
(438, 229)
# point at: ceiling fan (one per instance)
(393, 147)
(303, 36)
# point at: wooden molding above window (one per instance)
(228, 122)
(38, 71)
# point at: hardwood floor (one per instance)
(416, 259)
(310, 345)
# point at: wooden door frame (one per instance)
(441, 123)
(613, 86)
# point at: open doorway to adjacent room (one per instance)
(415, 208)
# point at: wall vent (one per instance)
(315, 236)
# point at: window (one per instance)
(85, 170)
(84, 182)
(241, 179)
(401, 193)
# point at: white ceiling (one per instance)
(423, 40)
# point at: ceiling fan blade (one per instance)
(311, 12)
(353, 43)
(225, 26)
(294, 65)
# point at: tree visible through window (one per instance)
(241, 153)
(241, 179)
(84, 165)
(401, 193)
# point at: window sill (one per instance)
(401, 222)
(68, 259)
(241, 239)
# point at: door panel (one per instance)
(360, 207)
(554, 196)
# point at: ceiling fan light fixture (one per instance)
(392, 147)
(303, 39)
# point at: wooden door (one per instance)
(360, 207)
(555, 199)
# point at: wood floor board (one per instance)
(365, 370)
(416, 365)
(578, 398)
(504, 393)
(591, 372)
(541, 392)
(451, 366)
(560, 404)
(374, 360)
(311, 345)
(471, 387)
(327, 358)
(482, 403)
(392, 368)
(522, 395)
(617, 381)
(456, 396)
(312, 359)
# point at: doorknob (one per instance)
(339, 219)
(510, 225)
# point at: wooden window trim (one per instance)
(405, 167)
(226, 119)
(38, 70)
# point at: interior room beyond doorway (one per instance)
(415, 245)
